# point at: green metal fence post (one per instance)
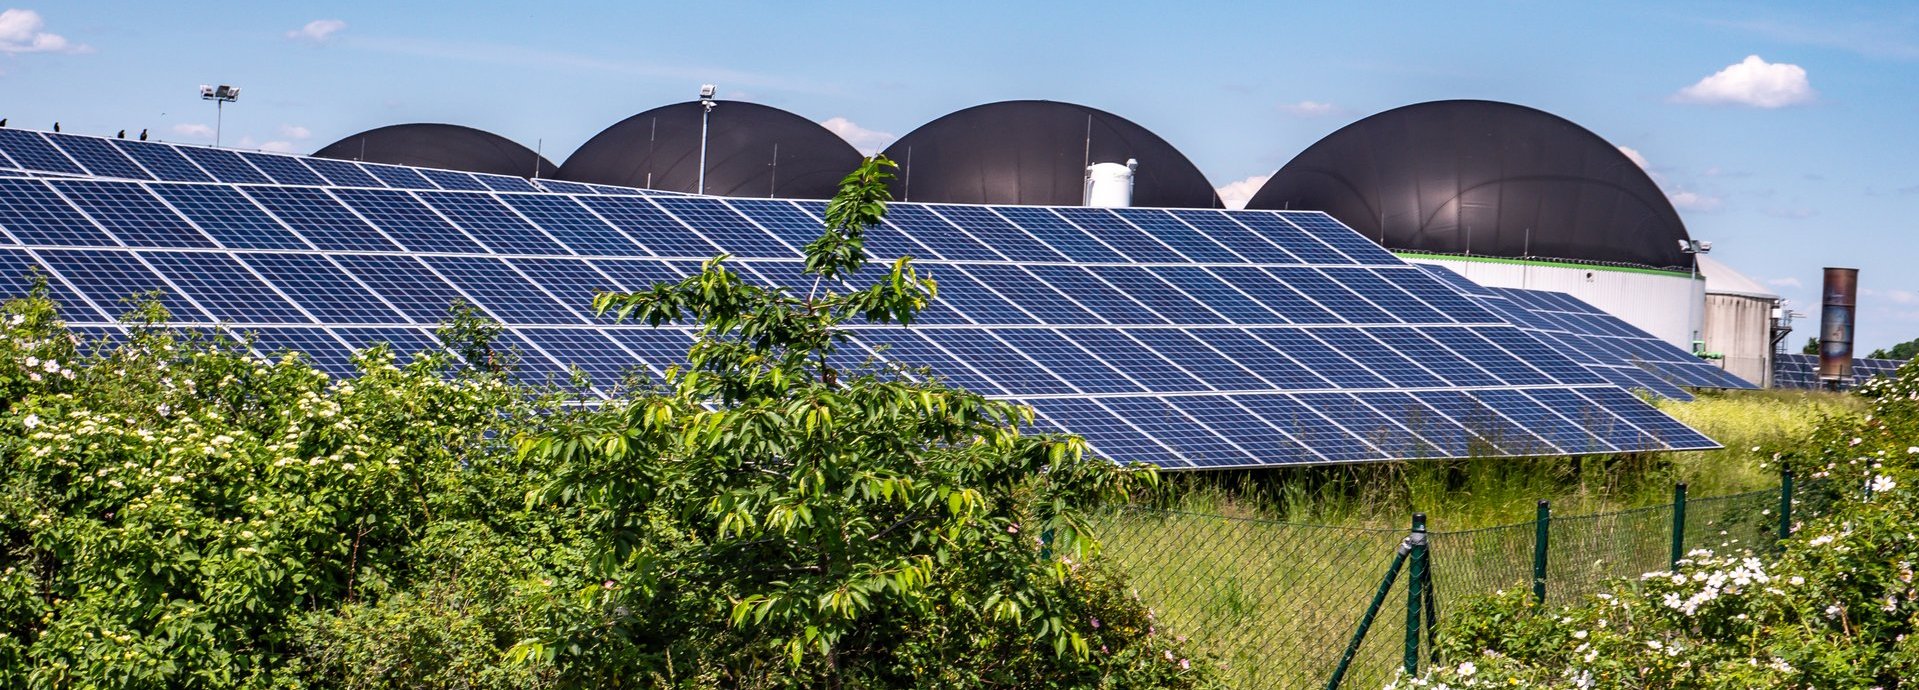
(1372, 611)
(1415, 577)
(1542, 532)
(1785, 504)
(1678, 523)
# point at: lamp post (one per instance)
(706, 105)
(221, 95)
(1693, 248)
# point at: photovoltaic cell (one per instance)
(342, 173)
(727, 227)
(1040, 234)
(408, 221)
(226, 166)
(323, 289)
(573, 225)
(133, 215)
(165, 162)
(17, 269)
(32, 152)
(115, 280)
(225, 288)
(320, 219)
(283, 169)
(229, 218)
(651, 228)
(101, 158)
(32, 214)
(495, 225)
(1191, 243)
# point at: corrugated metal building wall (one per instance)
(1739, 317)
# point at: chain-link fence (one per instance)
(1278, 603)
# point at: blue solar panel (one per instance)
(113, 279)
(32, 152)
(229, 218)
(1189, 242)
(283, 169)
(650, 227)
(995, 234)
(1243, 242)
(492, 223)
(1040, 235)
(405, 343)
(225, 166)
(16, 271)
(320, 219)
(1022, 288)
(1308, 248)
(163, 161)
(510, 296)
(1216, 294)
(408, 221)
(943, 239)
(1110, 231)
(407, 284)
(32, 214)
(573, 225)
(1106, 434)
(503, 183)
(1057, 353)
(398, 177)
(342, 173)
(100, 157)
(452, 179)
(726, 227)
(228, 290)
(1140, 348)
(130, 213)
(324, 290)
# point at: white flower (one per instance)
(30, 421)
(1579, 634)
(50, 367)
(1912, 450)
(1882, 484)
(1797, 580)
(1467, 669)
(32, 361)
(175, 479)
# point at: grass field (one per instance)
(1270, 572)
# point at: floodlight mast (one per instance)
(706, 104)
(220, 96)
(1693, 248)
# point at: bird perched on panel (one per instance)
(121, 135)
(3, 122)
(56, 128)
(143, 135)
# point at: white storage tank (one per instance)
(1110, 185)
(1739, 321)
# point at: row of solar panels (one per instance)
(1618, 351)
(1189, 338)
(1802, 371)
(38, 154)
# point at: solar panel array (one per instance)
(1802, 371)
(1618, 351)
(1183, 338)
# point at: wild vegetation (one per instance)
(1834, 606)
(175, 513)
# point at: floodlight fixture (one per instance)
(220, 95)
(706, 104)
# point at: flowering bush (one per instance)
(1834, 606)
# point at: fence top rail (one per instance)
(1448, 533)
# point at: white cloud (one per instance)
(1786, 283)
(278, 147)
(193, 129)
(1694, 201)
(317, 31)
(1236, 194)
(20, 33)
(1309, 109)
(295, 132)
(1638, 158)
(868, 141)
(1752, 82)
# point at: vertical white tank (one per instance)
(1110, 185)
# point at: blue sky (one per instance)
(1802, 159)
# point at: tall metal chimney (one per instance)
(1835, 325)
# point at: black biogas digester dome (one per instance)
(450, 147)
(1486, 178)
(1036, 152)
(752, 150)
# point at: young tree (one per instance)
(775, 520)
